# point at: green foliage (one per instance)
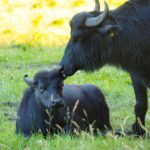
(17, 60)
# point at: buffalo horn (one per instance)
(97, 6)
(28, 81)
(91, 22)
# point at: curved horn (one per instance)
(97, 6)
(91, 22)
(28, 81)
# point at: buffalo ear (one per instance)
(110, 30)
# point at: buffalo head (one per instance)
(47, 87)
(88, 45)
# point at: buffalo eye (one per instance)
(81, 27)
(41, 89)
(75, 39)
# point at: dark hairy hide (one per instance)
(131, 47)
(41, 110)
(122, 39)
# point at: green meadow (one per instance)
(33, 35)
(17, 60)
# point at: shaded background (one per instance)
(41, 22)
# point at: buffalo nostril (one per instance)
(57, 103)
(53, 103)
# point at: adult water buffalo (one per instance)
(120, 37)
(48, 105)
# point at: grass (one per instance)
(17, 60)
(46, 23)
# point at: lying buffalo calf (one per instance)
(48, 105)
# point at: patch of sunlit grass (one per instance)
(18, 60)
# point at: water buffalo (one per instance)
(120, 37)
(48, 105)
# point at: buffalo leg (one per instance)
(141, 105)
(106, 120)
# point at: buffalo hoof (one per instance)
(130, 133)
(26, 135)
(137, 130)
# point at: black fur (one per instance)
(122, 40)
(33, 116)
